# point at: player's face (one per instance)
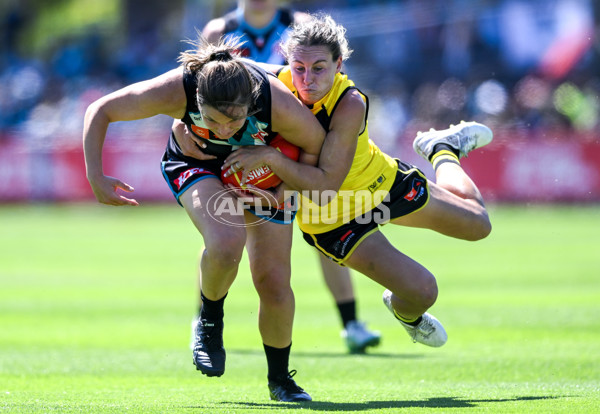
(313, 72)
(224, 126)
(260, 5)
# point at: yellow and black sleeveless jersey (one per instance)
(369, 179)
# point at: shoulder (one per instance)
(353, 98)
(170, 78)
(258, 70)
(352, 105)
(299, 17)
(214, 29)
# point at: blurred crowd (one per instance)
(519, 64)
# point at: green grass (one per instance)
(96, 301)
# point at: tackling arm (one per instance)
(335, 157)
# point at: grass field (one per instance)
(96, 302)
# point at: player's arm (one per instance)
(337, 152)
(335, 158)
(294, 121)
(161, 95)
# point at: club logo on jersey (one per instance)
(260, 136)
(184, 176)
(417, 190)
(377, 183)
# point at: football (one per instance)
(263, 177)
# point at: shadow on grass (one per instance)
(449, 402)
(305, 354)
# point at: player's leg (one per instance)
(412, 289)
(269, 247)
(450, 215)
(223, 248)
(456, 207)
(223, 243)
(338, 281)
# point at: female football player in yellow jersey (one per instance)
(355, 187)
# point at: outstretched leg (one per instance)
(455, 206)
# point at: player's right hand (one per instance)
(105, 189)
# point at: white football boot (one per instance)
(358, 337)
(464, 137)
(428, 332)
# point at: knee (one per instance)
(428, 293)
(273, 285)
(225, 249)
(423, 294)
(481, 228)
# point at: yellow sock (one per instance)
(442, 157)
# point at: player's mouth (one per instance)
(307, 91)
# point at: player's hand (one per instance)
(247, 159)
(105, 189)
(191, 145)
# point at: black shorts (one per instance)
(181, 172)
(409, 193)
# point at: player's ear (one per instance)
(338, 64)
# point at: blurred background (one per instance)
(530, 69)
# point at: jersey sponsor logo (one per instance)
(377, 183)
(340, 246)
(196, 117)
(201, 132)
(417, 190)
(184, 176)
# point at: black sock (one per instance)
(212, 309)
(415, 322)
(278, 360)
(441, 147)
(347, 311)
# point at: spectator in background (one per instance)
(264, 26)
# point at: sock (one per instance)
(277, 361)
(443, 153)
(212, 309)
(411, 322)
(347, 311)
